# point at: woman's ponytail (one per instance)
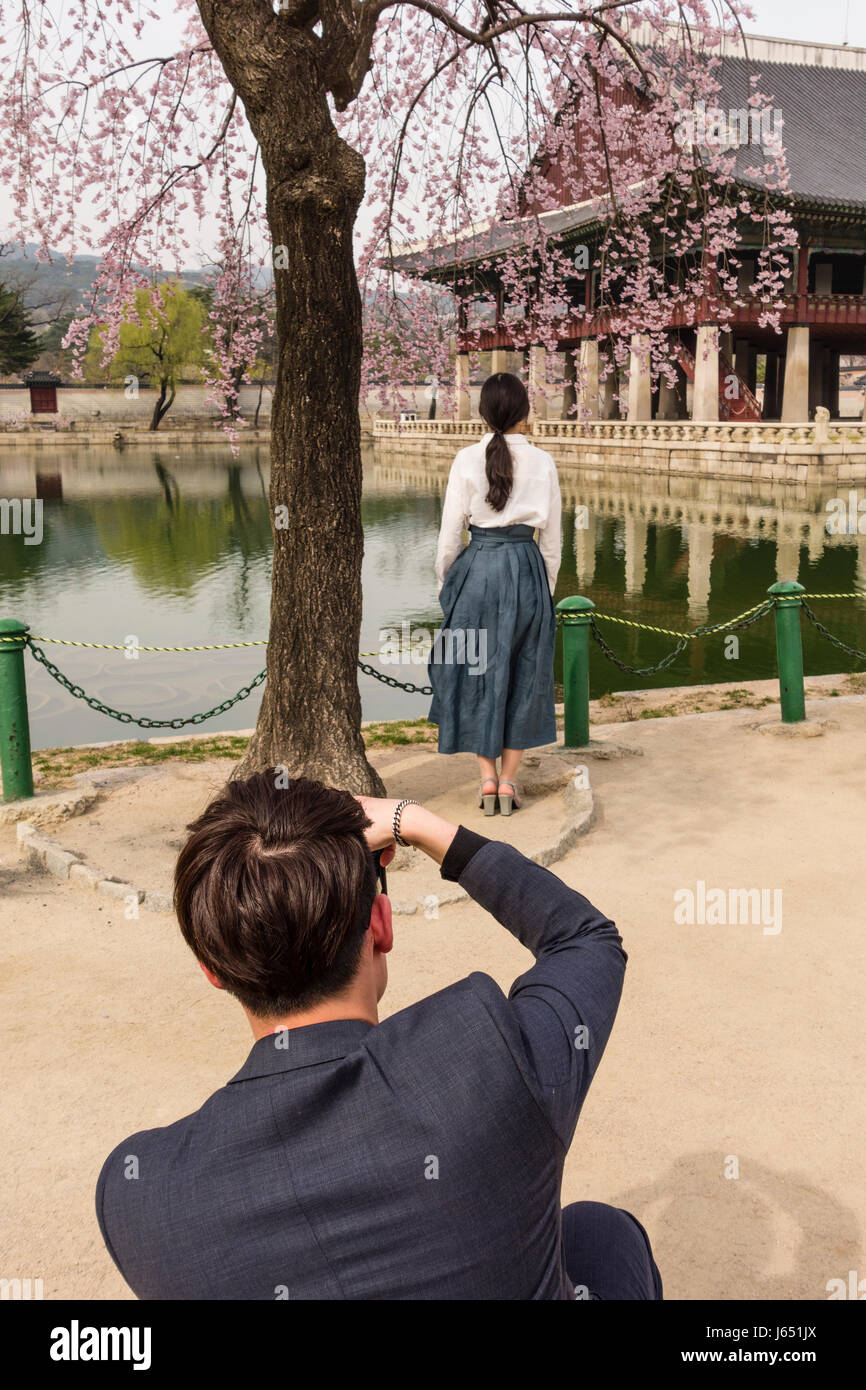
(504, 403)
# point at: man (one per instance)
(417, 1158)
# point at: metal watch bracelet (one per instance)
(398, 812)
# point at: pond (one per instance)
(173, 548)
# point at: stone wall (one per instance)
(771, 451)
(92, 406)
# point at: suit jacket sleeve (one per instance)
(565, 1005)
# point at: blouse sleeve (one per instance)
(453, 524)
(550, 536)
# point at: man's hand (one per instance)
(380, 812)
(419, 827)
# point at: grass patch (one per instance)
(398, 732)
(754, 702)
(59, 764)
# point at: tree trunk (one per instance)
(162, 405)
(157, 409)
(310, 717)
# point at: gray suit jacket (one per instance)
(417, 1159)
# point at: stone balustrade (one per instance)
(724, 432)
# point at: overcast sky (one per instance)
(826, 22)
(829, 21)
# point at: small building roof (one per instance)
(41, 378)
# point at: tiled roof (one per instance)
(823, 129)
(823, 112)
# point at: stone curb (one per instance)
(580, 808)
(41, 852)
(46, 808)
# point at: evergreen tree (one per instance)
(19, 345)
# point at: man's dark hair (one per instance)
(273, 891)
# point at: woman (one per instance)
(497, 597)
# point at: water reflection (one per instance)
(174, 547)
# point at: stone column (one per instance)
(817, 536)
(498, 361)
(588, 388)
(705, 398)
(795, 394)
(635, 552)
(787, 556)
(700, 539)
(538, 381)
(464, 397)
(584, 553)
(639, 386)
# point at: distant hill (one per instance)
(54, 289)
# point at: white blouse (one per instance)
(534, 501)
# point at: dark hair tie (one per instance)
(495, 430)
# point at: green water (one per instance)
(174, 549)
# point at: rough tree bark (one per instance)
(162, 405)
(310, 718)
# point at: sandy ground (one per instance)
(728, 1110)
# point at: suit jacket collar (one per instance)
(292, 1048)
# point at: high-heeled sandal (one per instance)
(488, 799)
(508, 801)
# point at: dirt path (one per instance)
(737, 1049)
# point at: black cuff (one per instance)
(463, 847)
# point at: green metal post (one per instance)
(576, 614)
(789, 649)
(15, 765)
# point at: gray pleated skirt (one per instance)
(491, 666)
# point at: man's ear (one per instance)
(209, 975)
(380, 924)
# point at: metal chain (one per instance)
(752, 615)
(123, 717)
(392, 681)
(738, 624)
(636, 670)
(123, 647)
(835, 641)
(730, 624)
